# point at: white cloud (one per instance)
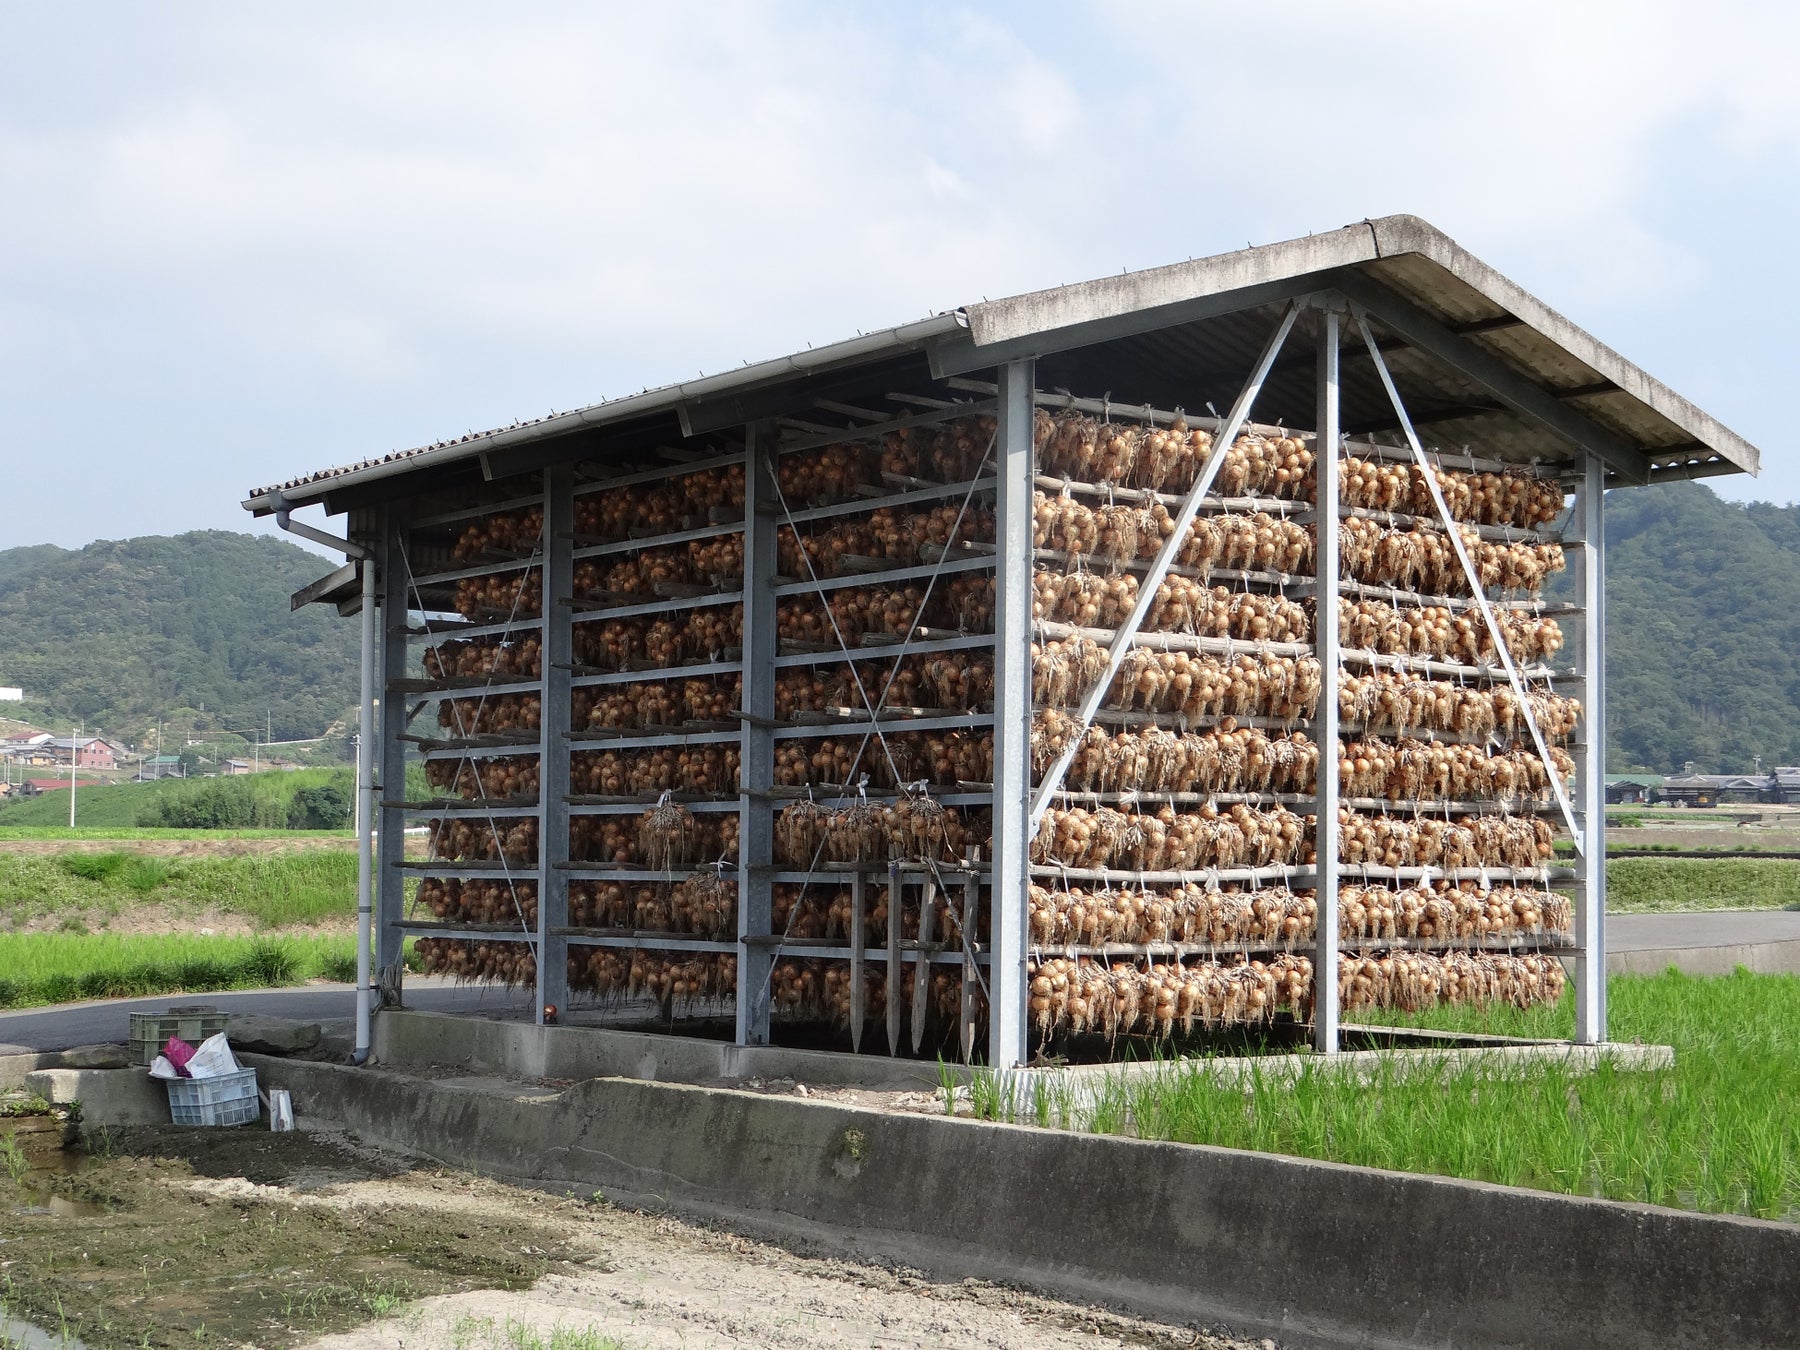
(323, 234)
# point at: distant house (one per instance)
(1632, 788)
(153, 767)
(233, 767)
(27, 755)
(36, 787)
(88, 752)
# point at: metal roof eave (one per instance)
(983, 335)
(668, 398)
(1110, 307)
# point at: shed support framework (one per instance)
(1016, 807)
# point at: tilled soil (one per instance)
(309, 1238)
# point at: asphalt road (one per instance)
(1718, 928)
(71, 1024)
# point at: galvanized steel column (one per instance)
(1007, 1023)
(556, 655)
(390, 835)
(1590, 756)
(1325, 635)
(756, 813)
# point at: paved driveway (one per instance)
(69, 1024)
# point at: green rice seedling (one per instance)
(1716, 1132)
(947, 1086)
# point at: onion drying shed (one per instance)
(1142, 659)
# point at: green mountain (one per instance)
(1702, 630)
(15, 562)
(193, 629)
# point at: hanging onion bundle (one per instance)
(1443, 634)
(480, 658)
(1422, 558)
(496, 779)
(1414, 981)
(1413, 770)
(508, 963)
(1229, 758)
(1188, 913)
(503, 534)
(1172, 840)
(1079, 994)
(1424, 841)
(1445, 912)
(711, 769)
(464, 839)
(501, 595)
(490, 715)
(669, 836)
(480, 900)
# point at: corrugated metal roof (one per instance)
(1187, 334)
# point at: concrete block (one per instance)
(107, 1096)
(95, 1057)
(13, 1068)
(262, 1035)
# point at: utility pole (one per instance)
(74, 754)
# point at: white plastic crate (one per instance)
(229, 1099)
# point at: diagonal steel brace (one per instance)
(1468, 566)
(1159, 569)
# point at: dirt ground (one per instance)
(242, 1237)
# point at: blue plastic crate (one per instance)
(229, 1099)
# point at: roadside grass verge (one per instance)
(306, 886)
(1716, 1133)
(133, 833)
(44, 968)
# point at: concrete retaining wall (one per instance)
(1313, 1253)
(1765, 958)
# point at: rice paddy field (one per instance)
(41, 968)
(1719, 1132)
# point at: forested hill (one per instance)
(123, 632)
(1703, 625)
(1703, 630)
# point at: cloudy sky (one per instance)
(240, 242)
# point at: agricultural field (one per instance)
(301, 799)
(1671, 885)
(108, 922)
(42, 968)
(1716, 1133)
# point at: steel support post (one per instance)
(365, 812)
(1325, 635)
(390, 833)
(1590, 756)
(1009, 892)
(756, 755)
(556, 656)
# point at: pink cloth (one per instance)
(178, 1052)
